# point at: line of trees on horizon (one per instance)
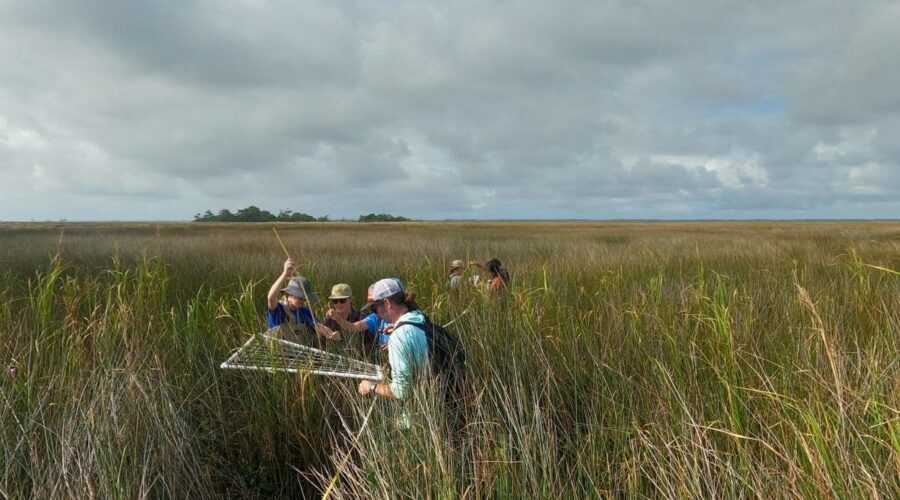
(256, 214)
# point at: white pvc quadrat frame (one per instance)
(291, 356)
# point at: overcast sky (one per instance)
(113, 110)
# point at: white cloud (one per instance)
(731, 172)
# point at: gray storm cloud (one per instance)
(450, 110)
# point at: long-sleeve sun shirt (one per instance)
(407, 354)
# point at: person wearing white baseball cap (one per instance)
(407, 347)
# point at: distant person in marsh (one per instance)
(498, 278)
(455, 277)
(375, 331)
(294, 310)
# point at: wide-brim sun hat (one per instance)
(341, 291)
(301, 288)
(382, 289)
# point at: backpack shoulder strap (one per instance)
(423, 325)
(426, 327)
(420, 326)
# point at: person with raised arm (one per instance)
(294, 309)
(498, 276)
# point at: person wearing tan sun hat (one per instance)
(375, 331)
(455, 276)
(340, 306)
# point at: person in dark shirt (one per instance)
(375, 331)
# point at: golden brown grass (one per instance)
(713, 359)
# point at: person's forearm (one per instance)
(384, 390)
(272, 297)
(342, 322)
(328, 333)
(372, 388)
(359, 326)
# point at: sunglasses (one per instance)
(339, 301)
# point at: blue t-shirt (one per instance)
(379, 327)
(303, 316)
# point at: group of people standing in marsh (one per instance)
(341, 316)
(389, 321)
(497, 277)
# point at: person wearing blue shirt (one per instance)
(380, 328)
(293, 311)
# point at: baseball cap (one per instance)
(456, 264)
(297, 286)
(341, 291)
(381, 290)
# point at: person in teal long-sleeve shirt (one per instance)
(407, 347)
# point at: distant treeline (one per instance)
(381, 218)
(255, 214)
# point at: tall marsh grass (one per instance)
(626, 360)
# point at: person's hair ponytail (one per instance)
(407, 298)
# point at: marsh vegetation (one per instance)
(627, 359)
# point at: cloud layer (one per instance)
(465, 109)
